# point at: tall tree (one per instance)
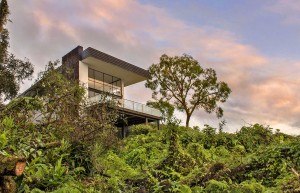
(12, 70)
(183, 82)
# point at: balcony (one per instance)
(132, 106)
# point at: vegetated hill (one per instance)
(173, 159)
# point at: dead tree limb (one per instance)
(296, 173)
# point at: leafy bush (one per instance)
(173, 159)
(214, 186)
(140, 129)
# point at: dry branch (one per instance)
(296, 173)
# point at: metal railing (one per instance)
(131, 105)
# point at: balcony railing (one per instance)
(131, 105)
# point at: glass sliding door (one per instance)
(101, 82)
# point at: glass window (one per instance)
(115, 79)
(102, 82)
(108, 79)
(118, 83)
(91, 83)
(99, 76)
(107, 88)
(91, 73)
(117, 87)
(99, 85)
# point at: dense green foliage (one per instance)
(173, 159)
(181, 81)
(55, 130)
(71, 147)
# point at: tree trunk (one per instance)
(188, 117)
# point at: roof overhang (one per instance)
(129, 73)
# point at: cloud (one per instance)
(288, 9)
(263, 88)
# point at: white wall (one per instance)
(84, 74)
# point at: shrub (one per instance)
(214, 186)
(140, 129)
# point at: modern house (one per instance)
(102, 73)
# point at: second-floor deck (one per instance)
(128, 105)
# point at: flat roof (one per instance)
(106, 63)
(93, 53)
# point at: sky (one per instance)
(253, 45)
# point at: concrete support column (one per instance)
(146, 121)
(158, 125)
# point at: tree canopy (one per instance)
(182, 81)
(12, 70)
